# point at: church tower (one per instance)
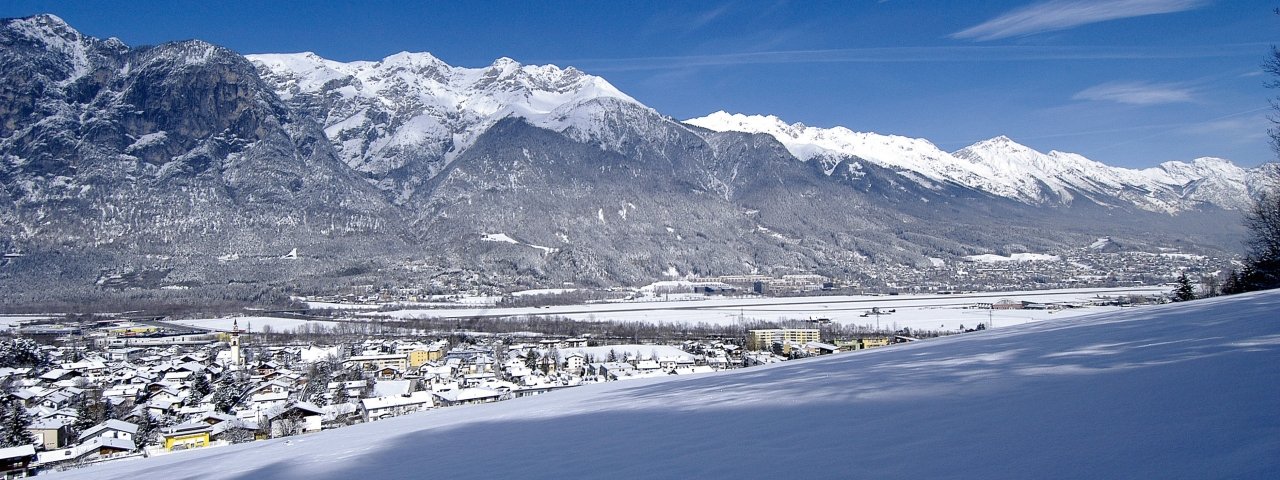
(236, 359)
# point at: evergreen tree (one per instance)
(14, 422)
(318, 375)
(22, 352)
(91, 411)
(554, 360)
(1232, 284)
(146, 429)
(229, 393)
(199, 388)
(341, 396)
(1184, 291)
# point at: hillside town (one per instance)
(119, 388)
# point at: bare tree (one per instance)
(1262, 265)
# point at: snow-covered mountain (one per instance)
(177, 150)
(1186, 390)
(1005, 168)
(181, 155)
(400, 120)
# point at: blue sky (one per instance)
(1126, 82)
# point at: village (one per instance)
(118, 388)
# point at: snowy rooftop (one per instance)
(1182, 390)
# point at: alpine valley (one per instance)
(187, 165)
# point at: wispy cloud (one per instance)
(1136, 93)
(683, 23)
(957, 53)
(701, 20)
(1056, 15)
(1250, 128)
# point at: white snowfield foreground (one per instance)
(1178, 391)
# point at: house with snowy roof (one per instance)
(611, 370)
(162, 407)
(62, 397)
(370, 363)
(268, 400)
(17, 462)
(671, 363)
(575, 362)
(124, 354)
(14, 373)
(436, 373)
(64, 414)
(394, 405)
(349, 389)
(226, 426)
(111, 429)
(59, 374)
(51, 434)
(187, 435)
(819, 348)
(648, 366)
(467, 396)
(273, 386)
(295, 418)
(97, 448)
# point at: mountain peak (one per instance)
(1002, 142)
(46, 28)
(722, 121)
(50, 33)
(408, 58)
(43, 20)
(505, 61)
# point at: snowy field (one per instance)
(10, 321)
(1173, 391)
(931, 312)
(246, 323)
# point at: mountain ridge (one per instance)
(1003, 167)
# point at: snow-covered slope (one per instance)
(899, 153)
(1002, 167)
(1178, 391)
(1169, 187)
(413, 107)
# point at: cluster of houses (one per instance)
(168, 398)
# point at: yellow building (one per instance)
(131, 330)
(871, 342)
(421, 356)
(761, 340)
(187, 435)
(863, 343)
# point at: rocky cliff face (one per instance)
(179, 150)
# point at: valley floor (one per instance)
(940, 312)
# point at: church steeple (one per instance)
(236, 359)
